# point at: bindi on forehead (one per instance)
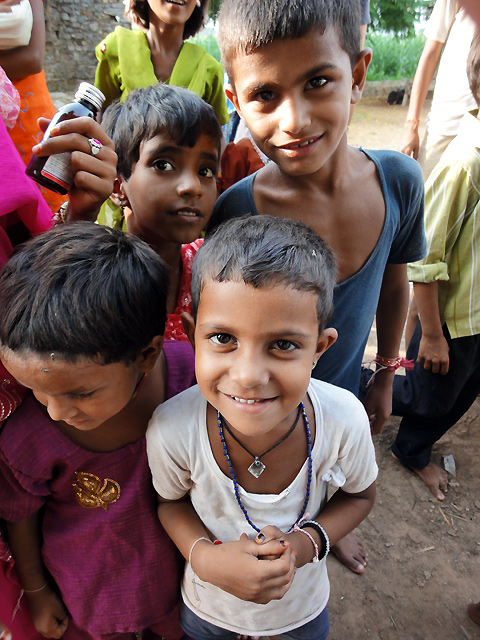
(45, 369)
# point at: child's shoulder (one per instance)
(195, 52)
(183, 409)
(30, 440)
(334, 401)
(395, 167)
(117, 39)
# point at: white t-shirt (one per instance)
(181, 460)
(452, 97)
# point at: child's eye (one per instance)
(284, 345)
(317, 83)
(207, 172)
(82, 396)
(264, 96)
(221, 338)
(163, 165)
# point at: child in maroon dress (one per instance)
(82, 328)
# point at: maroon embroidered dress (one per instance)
(116, 568)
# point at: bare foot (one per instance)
(474, 611)
(351, 552)
(435, 478)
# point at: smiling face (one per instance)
(83, 394)
(254, 352)
(295, 97)
(171, 12)
(171, 191)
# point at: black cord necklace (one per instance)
(257, 467)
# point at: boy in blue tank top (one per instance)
(296, 70)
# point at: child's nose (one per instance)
(189, 185)
(59, 408)
(294, 115)
(249, 370)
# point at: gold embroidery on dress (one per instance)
(91, 494)
(9, 400)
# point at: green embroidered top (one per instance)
(124, 64)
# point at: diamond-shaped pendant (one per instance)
(256, 468)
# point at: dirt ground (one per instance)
(424, 556)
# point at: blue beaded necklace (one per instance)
(234, 479)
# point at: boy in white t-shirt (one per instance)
(245, 458)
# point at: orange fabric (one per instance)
(239, 160)
(35, 103)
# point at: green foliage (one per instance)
(397, 16)
(393, 58)
(213, 7)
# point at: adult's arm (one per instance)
(427, 65)
(21, 62)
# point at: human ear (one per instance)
(189, 327)
(232, 96)
(325, 341)
(359, 74)
(118, 196)
(149, 355)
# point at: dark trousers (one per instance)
(431, 403)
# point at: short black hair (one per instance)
(246, 25)
(150, 111)
(137, 12)
(265, 251)
(83, 291)
(473, 67)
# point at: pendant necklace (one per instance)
(221, 422)
(257, 467)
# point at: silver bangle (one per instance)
(193, 547)
(35, 590)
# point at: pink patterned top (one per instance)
(174, 328)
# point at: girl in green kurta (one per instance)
(132, 59)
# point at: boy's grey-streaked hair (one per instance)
(246, 25)
(266, 251)
(159, 109)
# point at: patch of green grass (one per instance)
(394, 58)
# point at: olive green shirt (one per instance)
(124, 64)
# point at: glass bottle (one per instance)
(55, 172)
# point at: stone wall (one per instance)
(73, 28)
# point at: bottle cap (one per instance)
(88, 92)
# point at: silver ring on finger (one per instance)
(95, 145)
